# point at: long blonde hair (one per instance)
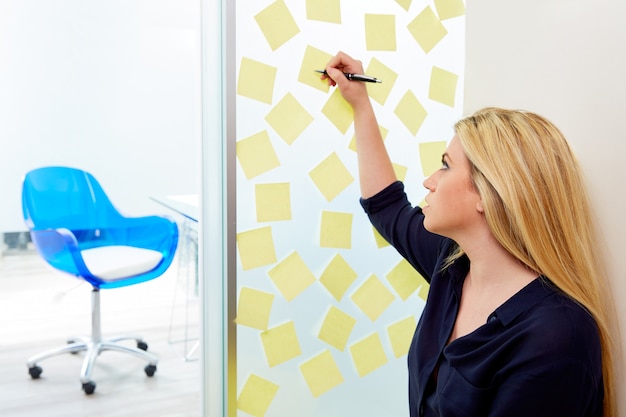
(537, 207)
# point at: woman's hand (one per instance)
(354, 92)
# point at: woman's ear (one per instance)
(479, 206)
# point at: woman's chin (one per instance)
(428, 224)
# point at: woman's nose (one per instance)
(429, 184)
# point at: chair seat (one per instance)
(111, 263)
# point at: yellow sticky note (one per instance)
(331, 176)
(430, 156)
(256, 248)
(405, 4)
(336, 230)
(337, 277)
(338, 111)
(323, 10)
(280, 343)
(372, 297)
(404, 279)
(423, 294)
(400, 171)
(273, 202)
(383, 133)
(427, 29)
(321, 373)
(254, 307)
(291, 276)
(447, 9)
(289, 118)
(336, 328)
(380, 32)
(381, 242)
(256, 395)
(277, 24)
(368, 354)
(411, 112)
(400, 335)
(314, 59)
(380, 91)
(443, 86)
(256, 80)
(256, 155)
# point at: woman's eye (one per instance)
(444, 165)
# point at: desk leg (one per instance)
(188, 279)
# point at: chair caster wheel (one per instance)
(35, 371)
(142, 345)
(89, 387)
(150, 370)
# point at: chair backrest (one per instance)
(63, 197)
(73, 223)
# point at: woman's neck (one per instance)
(493, 266)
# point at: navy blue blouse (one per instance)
(537, 355)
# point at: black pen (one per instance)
(356, 77)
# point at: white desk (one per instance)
(187, 205)
(188, 208)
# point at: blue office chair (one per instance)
(77, 230)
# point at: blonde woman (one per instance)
(518, 317)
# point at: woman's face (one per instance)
(453, 205)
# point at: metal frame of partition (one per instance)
(217, 237)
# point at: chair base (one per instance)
(93, 350)
(93, 346)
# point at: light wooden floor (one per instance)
(41, 308)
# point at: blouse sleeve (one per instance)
(403, 227)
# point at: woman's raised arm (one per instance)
(375, 169)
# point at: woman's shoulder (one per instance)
(561, 326)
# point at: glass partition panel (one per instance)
(325, 309)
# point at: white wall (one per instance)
(565, 60)
(110, 86)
